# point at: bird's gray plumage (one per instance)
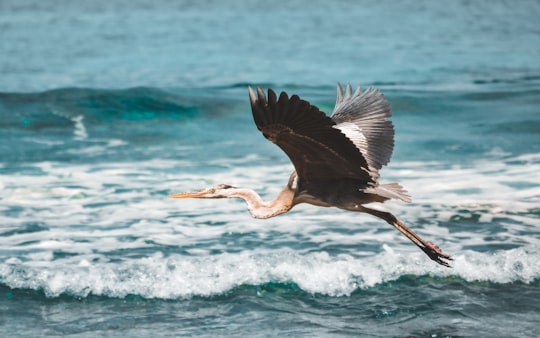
(364, 118)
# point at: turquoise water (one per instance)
(110, 106)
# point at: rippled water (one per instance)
(107, 108)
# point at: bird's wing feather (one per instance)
(363, 117)
(317, 149)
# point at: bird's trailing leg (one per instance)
(429, 248)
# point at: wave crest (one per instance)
(178, 277)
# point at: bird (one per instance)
(336, 158)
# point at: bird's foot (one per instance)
(436, 254)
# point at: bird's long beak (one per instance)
(191, 194)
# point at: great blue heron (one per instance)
(336, 159)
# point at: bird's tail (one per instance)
(390, 191)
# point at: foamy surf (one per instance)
(177, 277)
(78, 218)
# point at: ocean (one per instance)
(108, 107)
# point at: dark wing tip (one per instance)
(271, 96)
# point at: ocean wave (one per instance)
(62, 107)
(174, 276)
(80, 109)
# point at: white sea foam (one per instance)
(80, 130)
(178, 276)
(103, 229)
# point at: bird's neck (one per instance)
(266, 209)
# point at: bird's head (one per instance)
(217, 191)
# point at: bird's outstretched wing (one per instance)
(363, 117)
(318, 150)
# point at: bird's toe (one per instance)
(436, 254)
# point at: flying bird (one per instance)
(336, 158)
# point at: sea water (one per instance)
(107, 107)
